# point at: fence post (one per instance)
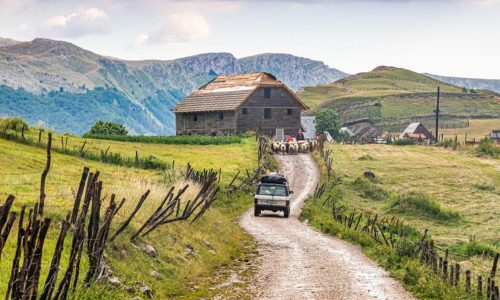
(44, 175)
(480, 286)
(467, 281)
(457, 274)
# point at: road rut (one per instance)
(298, 262)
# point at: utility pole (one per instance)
(437, 116)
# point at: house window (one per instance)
(267, 113)
(195, 117)
(221, 115)
(244, 111)
(289, 111)
(267, 92)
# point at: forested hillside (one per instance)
(68, 83)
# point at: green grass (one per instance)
(230, 157)
(401, 93)
(400, 262)
(217, 239)
(171, 140)
(419, 203)
(456, 191)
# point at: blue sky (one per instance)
(449, 37)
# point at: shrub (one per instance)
(369, 189)
(421, 203)
(403, 142)
(488, 148)
(107, 128)
(178, 140)
(449, 143)
(13, 123)
(473, 248)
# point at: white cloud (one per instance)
(23, 28)
(84, 22)
(179, 28)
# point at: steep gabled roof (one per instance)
(228, 92)
(412, 128)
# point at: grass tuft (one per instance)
(403, 142)
(420, 203)
(370, 190)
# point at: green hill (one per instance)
(395, 93)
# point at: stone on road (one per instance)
(298, 262)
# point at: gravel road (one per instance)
(298, 262)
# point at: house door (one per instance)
(280, 134)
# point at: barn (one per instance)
(416, 131)
(233, 104)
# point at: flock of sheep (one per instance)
(294, 147)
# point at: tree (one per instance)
(107, 128)
(327, 120)
(13, 123)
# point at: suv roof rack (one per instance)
(273, 178)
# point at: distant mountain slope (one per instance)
(151, 87)
(299, 71)
(470, 83)
(7, 42)
(388, 92)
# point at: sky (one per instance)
(448, 37)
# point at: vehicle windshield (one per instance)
(272, 190)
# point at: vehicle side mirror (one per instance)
(290, 192)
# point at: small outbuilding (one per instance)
(233, 104)
(416, 131)
(495, 136)
(309, 127)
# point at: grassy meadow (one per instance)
(400, 93)
(454, 194)
(216, 239)
(230, 157)
(478, 129)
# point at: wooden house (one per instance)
(233, 104)
(416, 131)
(495, 136)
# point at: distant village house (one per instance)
(233, 104)
(495, 136)
(417, 132)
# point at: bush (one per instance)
(449, 143)
(473, 248)
(175, 140)
(369, 190)
(421, 203)
(403, 142)
(107, 128)
(488, 148)
(13, 123)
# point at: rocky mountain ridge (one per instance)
(153, 87)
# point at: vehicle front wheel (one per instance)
(256, 212)
(286, 212)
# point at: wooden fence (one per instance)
(90, 226)
(388, 232)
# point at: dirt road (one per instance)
(297, 262)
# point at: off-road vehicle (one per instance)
(272, 194)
